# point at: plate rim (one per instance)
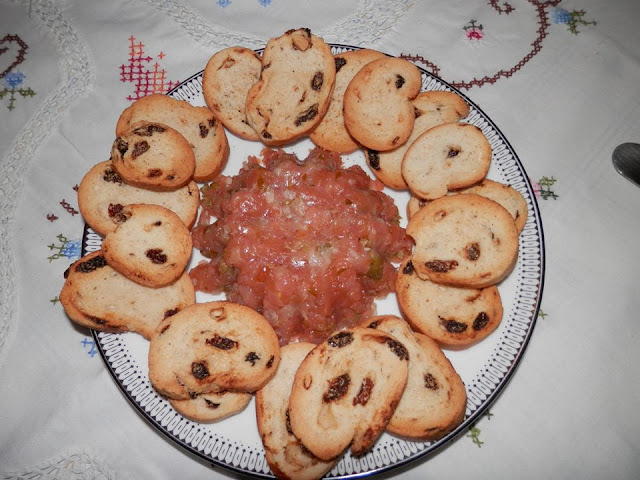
(434, 446)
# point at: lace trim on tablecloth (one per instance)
(80, 465)
(372, 20)
(369, 24)
(78, 73)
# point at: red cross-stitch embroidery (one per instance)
(67, 206)
(505, 8)
(542, 12)
(146, 80)
(19, 57)
(473, 31)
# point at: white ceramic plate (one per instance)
(485, 368)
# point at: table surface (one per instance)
(561, 79)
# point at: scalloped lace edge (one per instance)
(366, 26)
(77, 70)
(69, 465)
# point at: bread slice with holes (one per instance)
(444, 158)
(153, 155)
(212, 407)
(507, 196)
(103, 193)
(198, 125)
(431, 109)
(331, 133)
(97, 296)
(211, 347)
(286, 456)
(295, 86)
(346, 390)
(151, 246)
(85, 265)
(463, 240)
(378, 112)
(452, 316)
(227, 78)
(435, 400)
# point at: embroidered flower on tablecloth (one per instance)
(13, 79)
(473, 31)
(89, 346)
(12, 89)
(560, 15)
(571, 19)
(542, 188)
(65, 248)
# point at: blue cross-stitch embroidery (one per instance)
(91, 345)
(560, 15)
(12, 81)
(67, 248)
(571, 19)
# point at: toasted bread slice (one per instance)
(346, 390)
(295, 86)
(210, 347)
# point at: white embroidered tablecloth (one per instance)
(561, 79)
